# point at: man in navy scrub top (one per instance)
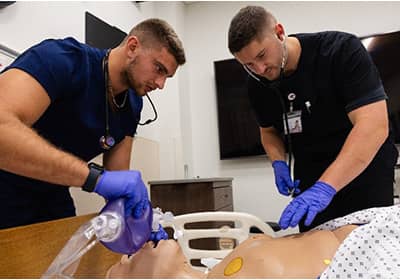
(62, 104)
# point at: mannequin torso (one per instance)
(303, 255)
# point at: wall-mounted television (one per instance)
(385, 52)
(239, 134)
(237, 126)
(100, 34)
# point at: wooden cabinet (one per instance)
(192, 195)
(195, 195)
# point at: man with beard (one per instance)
(62, 104)
(344, 152)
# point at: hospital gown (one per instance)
(370, 251)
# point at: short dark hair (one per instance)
(249, 23)
(157, 31)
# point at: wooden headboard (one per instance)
(27, 251)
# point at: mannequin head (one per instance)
(164, 261)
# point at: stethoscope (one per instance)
(275, 86)
(107, 141)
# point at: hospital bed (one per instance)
(371, 250)
(238, 227)
(27, 251)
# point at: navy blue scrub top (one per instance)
(72, 75)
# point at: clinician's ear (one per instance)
(132, 45)
(280, 32)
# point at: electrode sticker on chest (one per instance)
(233, 266)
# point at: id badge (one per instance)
(294, 122)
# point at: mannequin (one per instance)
(303, 255)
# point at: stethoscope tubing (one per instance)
(107, 136)
(286, 119)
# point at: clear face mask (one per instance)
(112, 229)
(105, 227)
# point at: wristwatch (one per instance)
(95, 171)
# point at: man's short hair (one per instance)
(249, 23)
(158, 33)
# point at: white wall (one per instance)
(167, 129)
(206, 26)
(23, 24)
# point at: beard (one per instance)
(273, 74)
(129, 79)
(278, 66)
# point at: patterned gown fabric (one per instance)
(370, 251)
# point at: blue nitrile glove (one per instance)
(310, 202)
(156, 236)
(282, 178)
(128, 184)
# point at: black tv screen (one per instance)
(239, 134)
(100, 34)
(385, 52)
(238, 129)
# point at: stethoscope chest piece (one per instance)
(106, 142)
